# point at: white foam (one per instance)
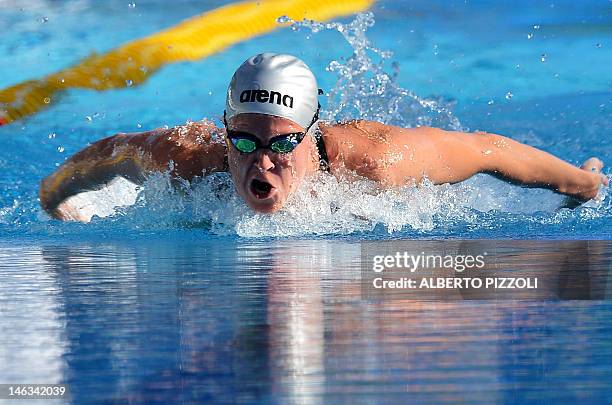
(103, 202)
(324, 204)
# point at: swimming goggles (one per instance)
(247, 143)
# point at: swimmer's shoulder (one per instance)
(190, 135)
(369, 134)
(198, 146)
(196, 133)
(193, 148)
(356, 138)
(360, 145)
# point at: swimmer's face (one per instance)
(263, 178)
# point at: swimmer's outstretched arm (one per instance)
(194, 150)
(454, 156)
(406, 155)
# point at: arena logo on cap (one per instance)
(265, 96)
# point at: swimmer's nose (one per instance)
(263, 162)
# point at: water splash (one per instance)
(325, 205)
(364, 89)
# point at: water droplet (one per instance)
(486, 152)
(518, 66)
(132, 4)
(165, 127)
(47, 100)
(88, 118)
(598, 45)
(51, 135)
(138, 125)
(210, 92)
(60, 149)
(144, 69)
(536, 27)
(529, 36)
(490, 102)
(128, 83)
(283, 19)
(543, 57)
(62, 80)
(44, 19)
(509, 95)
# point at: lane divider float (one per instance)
(195, 38)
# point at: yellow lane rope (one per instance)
(192, 39)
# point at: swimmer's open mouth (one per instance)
(261, 189)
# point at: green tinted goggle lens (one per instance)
(244, 145)
(283, 146)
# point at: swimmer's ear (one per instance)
(321, 92)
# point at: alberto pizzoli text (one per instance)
(407, 262)
(458, 283)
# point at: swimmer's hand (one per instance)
(593, 167)
(89, 169)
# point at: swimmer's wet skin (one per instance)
(272, 122)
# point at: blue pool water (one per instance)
(190, 296)
(551, 58)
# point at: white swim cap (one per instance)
(274, 84)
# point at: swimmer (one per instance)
(273, 139)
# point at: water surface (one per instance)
(282, 320)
